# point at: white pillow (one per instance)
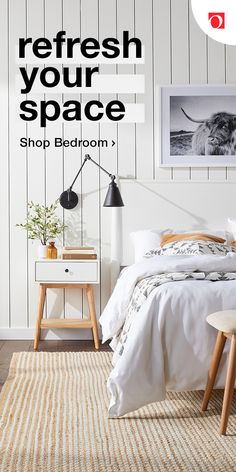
(232, 227)
(144, 241)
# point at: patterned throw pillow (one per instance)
(192, 248)
(174, 237)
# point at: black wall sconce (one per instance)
(70, 199)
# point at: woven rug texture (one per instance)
(53, 418)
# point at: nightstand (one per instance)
(58, 273)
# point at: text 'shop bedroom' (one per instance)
(118, 236)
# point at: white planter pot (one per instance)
(42, 251)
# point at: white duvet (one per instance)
(169, 345)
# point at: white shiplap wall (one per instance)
(176, 52)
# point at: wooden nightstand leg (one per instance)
(42, 295)
(92, 311)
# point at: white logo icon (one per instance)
(217, 18)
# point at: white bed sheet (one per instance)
(169, 345)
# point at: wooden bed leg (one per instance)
(219, 346)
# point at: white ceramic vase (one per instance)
(42, 251)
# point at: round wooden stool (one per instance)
(225, 323)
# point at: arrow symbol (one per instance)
(113, 143)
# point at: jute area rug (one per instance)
(53, 418)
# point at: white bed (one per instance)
(167, 343)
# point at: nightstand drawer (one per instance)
(67, 271)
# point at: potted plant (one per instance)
(42, 224)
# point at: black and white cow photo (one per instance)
(203, 125)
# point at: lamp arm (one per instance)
(79, 171)
(100, 167)
(88, 158)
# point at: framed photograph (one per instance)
(198, 126)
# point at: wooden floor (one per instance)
(8, 347)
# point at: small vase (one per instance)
(51, 251)
(42, 251)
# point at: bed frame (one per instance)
(176, 205)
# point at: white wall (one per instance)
(176, 52)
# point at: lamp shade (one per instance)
(113, 196)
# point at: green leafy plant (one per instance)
(42, 222)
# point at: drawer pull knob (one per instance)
(66, 270)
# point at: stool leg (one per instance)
(42, 295)
(217, 353)
(229, 386)
(89, 291)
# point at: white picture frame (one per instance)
(184, 141)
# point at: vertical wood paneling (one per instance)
(36, 157)
(90, 177)
(198, 73)
(216, 75)
(162, 72)
(18, 178)
(4, 166)
(177, 52)
(180, 57)
(180, 42)
(230, 56)
(54, 156)
(108, 156)
(127, 132)
(144, 131)
(71, 164)
(216, 62)
(197, 49)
